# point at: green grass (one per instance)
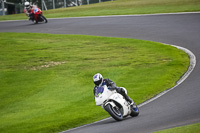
(46, 80)
(119, 7)
(193, 128)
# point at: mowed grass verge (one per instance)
(119, 7)
(193, 128)
(46, 80)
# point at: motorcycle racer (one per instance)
(99, 80)
(27, 10)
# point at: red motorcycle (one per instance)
(37, 15)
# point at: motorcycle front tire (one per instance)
(114, 112)
(43, 18)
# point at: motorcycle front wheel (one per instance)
(43, 19)
(114, 112)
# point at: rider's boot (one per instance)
(132, 104)
(129, 100)
(123, 93)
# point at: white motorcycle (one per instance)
(114, 103)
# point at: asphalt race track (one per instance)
(179, 106)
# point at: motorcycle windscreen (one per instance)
(99, 91)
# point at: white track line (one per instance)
(187, 73)
(136, 15)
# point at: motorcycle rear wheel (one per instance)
(114, 112)
(134, 111)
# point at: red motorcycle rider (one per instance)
(27, 10)
(34, 13)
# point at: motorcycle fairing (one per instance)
(99, 91)
(102, 95)
(119, 99)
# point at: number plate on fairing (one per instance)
(35, 10)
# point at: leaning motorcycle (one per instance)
(114, 103)
(37, 15)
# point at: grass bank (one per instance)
(46, 80)
(193, 128)
(119, 7)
